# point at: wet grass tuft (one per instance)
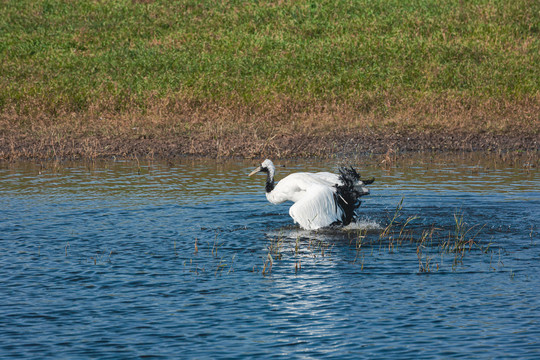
(403, 236)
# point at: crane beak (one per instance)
(259, 169)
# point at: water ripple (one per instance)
(123, 260)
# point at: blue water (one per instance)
(187, 259)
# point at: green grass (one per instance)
(120, 56)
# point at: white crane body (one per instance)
(320, 199)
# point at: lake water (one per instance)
(187, 259)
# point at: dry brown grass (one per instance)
(281, 129)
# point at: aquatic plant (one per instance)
(429, 244)
(205, 253)
(273, 248)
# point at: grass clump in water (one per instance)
(461, 239)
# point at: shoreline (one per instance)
(299, 145)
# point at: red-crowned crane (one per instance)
(320, 199)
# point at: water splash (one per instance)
(363, 224)
(294, 232)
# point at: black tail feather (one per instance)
(347, 197)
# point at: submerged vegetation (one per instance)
(426, 249)
(430, 245)
(89, 78)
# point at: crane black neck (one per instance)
(269, 182)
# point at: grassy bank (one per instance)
(201, 71)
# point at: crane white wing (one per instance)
(295, 186)
(329, 178)
(317, 208)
